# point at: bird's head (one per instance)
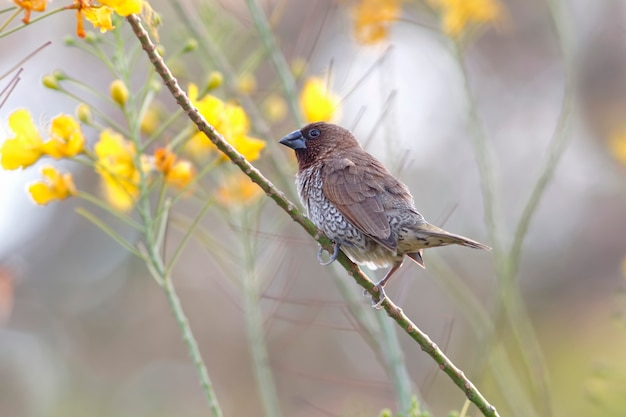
(319, 140)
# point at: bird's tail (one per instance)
(439, 237)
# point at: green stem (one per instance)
(384, 341)
(190, 230)
(455, 374)
(484, 159)
(280, 64)
(510, 312)
(255, 330)
(192, 346)
(10, 19)
(396, 366)
(106, 229)
(5, 34)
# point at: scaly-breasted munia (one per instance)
(356, 202)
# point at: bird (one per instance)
(364, 209)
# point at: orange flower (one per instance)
(178, 173)
(457, 15)
(30, 6)
(373, 18)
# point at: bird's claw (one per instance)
(333, 257)
(381, 297)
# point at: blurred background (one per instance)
(85, 330)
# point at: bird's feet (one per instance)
(333, 257)
(381, 296)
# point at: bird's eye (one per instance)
(313, 133)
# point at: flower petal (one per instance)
(25, 148)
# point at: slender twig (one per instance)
(445, 364)
(179, 249)
(484, 158)
(510, 312)
(278, 59)
(26, 58)
(396, 366)
(192, 346)
(254, 325)
(106, 229)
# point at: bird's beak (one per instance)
(294, 140)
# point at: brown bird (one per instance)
(362, 207)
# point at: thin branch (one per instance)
(280, 64)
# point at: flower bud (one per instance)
(50, 81)
(91, 37)
(246, 83)
(156, 20)
(59, 75)
(215, 80)
(83, 113)
(298, 66)
(119, 92)
(190, 45)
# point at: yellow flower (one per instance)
(230, 120)
(458, 14)
(373, 18)
(238, 190)
(248, 146)
(124, 7)
(617, 146)
(67, 138)
(115, 162)
(30, 6)
(99, 17)
(178, 173)
(55, 186)
(25, 148)
(99, 13)
(317, 102)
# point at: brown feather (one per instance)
(345, 186)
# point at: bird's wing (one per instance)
(353, 189)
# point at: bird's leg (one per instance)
(381, 284)
(333, 257)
